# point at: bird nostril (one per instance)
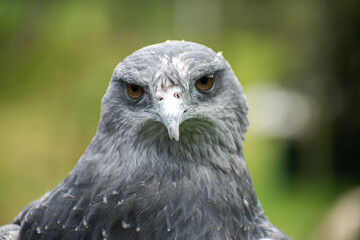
(176, 95)
(160, 99)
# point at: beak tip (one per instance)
(174, 133)
(176, 137)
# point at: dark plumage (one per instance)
(143, 176)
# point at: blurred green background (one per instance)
(298, 62)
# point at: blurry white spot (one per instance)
(85, 224)
(58, 222)
(66, 195)
(280, 112)
(103, 233)
(174, 183)
(46, 194)
(105, 200)
(115, 192)
(38, 230)
(164, 60)
(46, 227)
(343, 219)
(63, 226)
(125, 225)
(168, 229)
(246, 203)
(74, 208)
(76, 229)
(220, 53)
(179, 65)
(137, 229)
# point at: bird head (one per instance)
(175, 93)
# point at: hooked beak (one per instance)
(171, 110)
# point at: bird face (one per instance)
(172, 108)
(177, 90)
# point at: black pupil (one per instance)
(204, 80)
(134, 88)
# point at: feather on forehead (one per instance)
(169, 63)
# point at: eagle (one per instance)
(167, 160)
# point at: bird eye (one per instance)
(205, 83)
(133, 91)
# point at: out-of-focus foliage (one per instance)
(298, 60)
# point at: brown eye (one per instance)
(205, 83)
(133, 91)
